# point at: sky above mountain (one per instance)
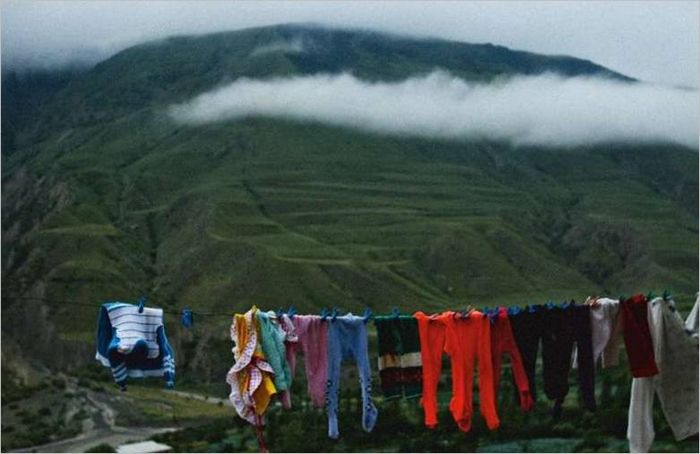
(651, 41)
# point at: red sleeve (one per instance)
(487, 395)
(516, 362)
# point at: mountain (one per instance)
(105, 197)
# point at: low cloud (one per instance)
(530, 110)
(294, 46)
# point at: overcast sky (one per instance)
(653, 41)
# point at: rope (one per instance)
(96, 306)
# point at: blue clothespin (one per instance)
(142, 303)
(279, 313)
(291, 312)
(334, 314)
(324, 313)
(395, 312)
(530, 308)
(186, 317)
(367, 314)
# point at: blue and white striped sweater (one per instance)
(134, 344)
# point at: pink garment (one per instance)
(312, 335)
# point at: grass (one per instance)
(105, 197)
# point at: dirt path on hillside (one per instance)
(100, 428)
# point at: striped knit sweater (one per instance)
(134, 344)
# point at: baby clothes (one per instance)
(558, 328)
(312, 335)
(347, 339)
(272, 339)
(568, 325)
(502, 343)
(133, 344)
(604, 338)
(400, 367)
(638, 342)
(529, 327)
(676, 384)
(290, 344)
(466, 340)
(432, 343)
(251, 377)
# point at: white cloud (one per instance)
(545, 110)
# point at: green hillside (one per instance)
(105, 197)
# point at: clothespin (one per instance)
(334, 314)
(279, 313)
(530, 308)
(324, 313)
(142, 303)
(666, 295)
(367, 314)
(186, 317)
(465, 313)
(650, 296)
(291, 312)
(395, 312)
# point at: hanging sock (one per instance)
(187, 318)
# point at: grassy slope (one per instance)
(107, 198)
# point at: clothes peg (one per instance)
(291, 312)
(650, 296)
(395, 312)
(465, 313)
(367, 314)
(324, 313)
(142, 303)
(186, 317)
(666, 295)
(334, 314)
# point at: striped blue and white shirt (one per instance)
(134, 344)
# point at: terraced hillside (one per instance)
(105, 197)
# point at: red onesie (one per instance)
(467, 341)
(503, 342)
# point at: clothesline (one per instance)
(64, 302)
(410, 355)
